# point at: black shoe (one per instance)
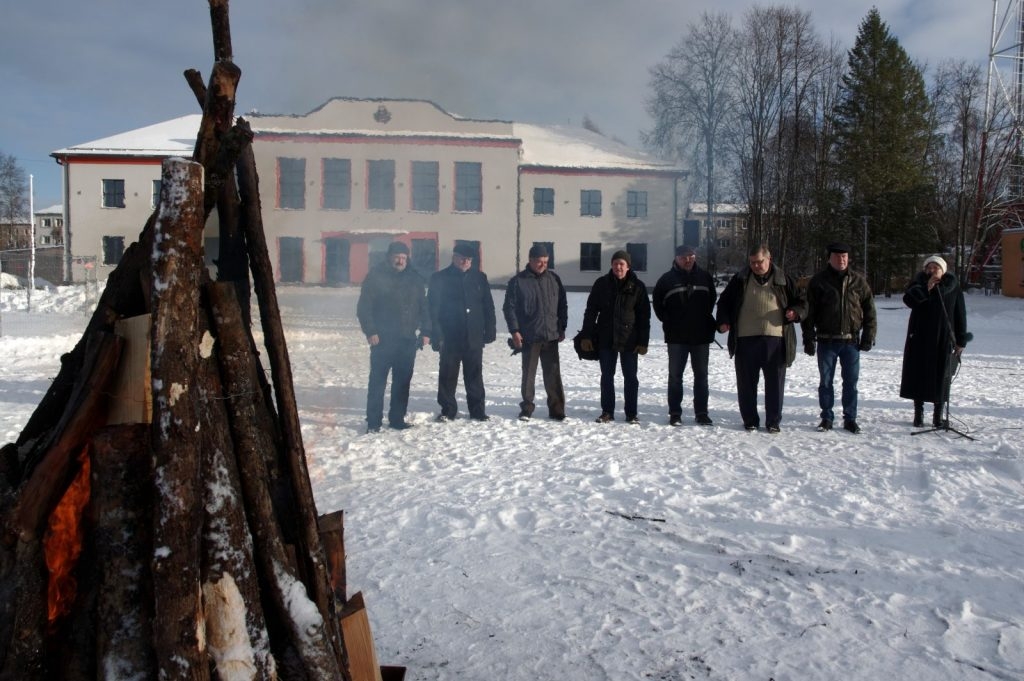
(372, 429)
(399, 425)
(939, 422)
(444, 418)
(918, 419)
(480, 417)
(750, 427)
(851, 426)
(524, 416)
(675, 421)
(605, 417)
(632, 420)
(824, 425)
(557, 417)
(773, 429)
(703, 420)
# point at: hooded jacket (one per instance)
(618, 314)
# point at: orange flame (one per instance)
(63, 542)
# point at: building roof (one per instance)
(554, 146)
(57, 209)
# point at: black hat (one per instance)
(465, 250)
(538, 251)
(622, 255)
(685, 250)
(838, 247)
(396, 247)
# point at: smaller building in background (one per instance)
(50, 226)
(727, 234)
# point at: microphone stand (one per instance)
(948, 374)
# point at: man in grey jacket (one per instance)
(537, 312)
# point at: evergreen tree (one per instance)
(884, 131)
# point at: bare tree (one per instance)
(13, 197)
(692, 101)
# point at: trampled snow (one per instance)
(577, 550)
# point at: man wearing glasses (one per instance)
(759, 309)
(462, 321)
(684, 301)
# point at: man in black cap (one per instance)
(841, 318)
(684, 301)
(537, 312)
(392, 306)
(462, 322)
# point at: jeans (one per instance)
(848, 356)
(546, 352)
(678, 354)
(630, 385)
(397, 357)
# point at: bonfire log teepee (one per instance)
(158, 517)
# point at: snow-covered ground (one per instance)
(575, 550)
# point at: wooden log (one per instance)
(177, 264)
(121, 508)
(24, 651)
(309, 632)
(362, 653)
(84, 412)
(221, 30)
(332, 536)
(313, 568)
(229, 576)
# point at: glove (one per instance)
(809, 348)
(641, 349)
(865, 344)
(586, 345)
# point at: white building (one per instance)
(343, 181)
(50, 226)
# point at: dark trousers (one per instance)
(630, 384)
(756, 355)
(398, 358)
(545, 352)
(848, 356)
(472, 362)
(678, 354)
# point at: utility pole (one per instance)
(865, 219)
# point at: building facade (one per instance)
(342, 182)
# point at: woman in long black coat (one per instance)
(936, 335)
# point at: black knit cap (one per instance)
(838, 247)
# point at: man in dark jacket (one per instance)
(537, 312)
(462, 322)
(758, 309)
(684, 301)
(841, 318)
(391, 307)
(617, 322)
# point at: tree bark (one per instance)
(177, 263)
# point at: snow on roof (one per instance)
(57, 209)
(175, 137)
(570, 147)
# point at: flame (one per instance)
(63, 542)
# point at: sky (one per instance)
(580, 550)
(74, 72)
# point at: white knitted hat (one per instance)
(937, 259)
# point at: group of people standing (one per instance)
(759, 309)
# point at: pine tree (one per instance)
(884, 131)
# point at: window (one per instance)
(291, 260)
(380, 191)
(468, 187)
(155, 200)
(636, 204)
(113, 249)
(291, 183)
(425, 195)
(337, 184)
(590, 257)
(113, 194)
(590, 202)
(543, 201)
(638, 254)
(550, 245)
(47, 222)
(47, 240)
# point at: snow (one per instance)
(576, 550)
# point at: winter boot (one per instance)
(937, 420)
(918, 414)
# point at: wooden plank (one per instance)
(132, 398)
(355, 629)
